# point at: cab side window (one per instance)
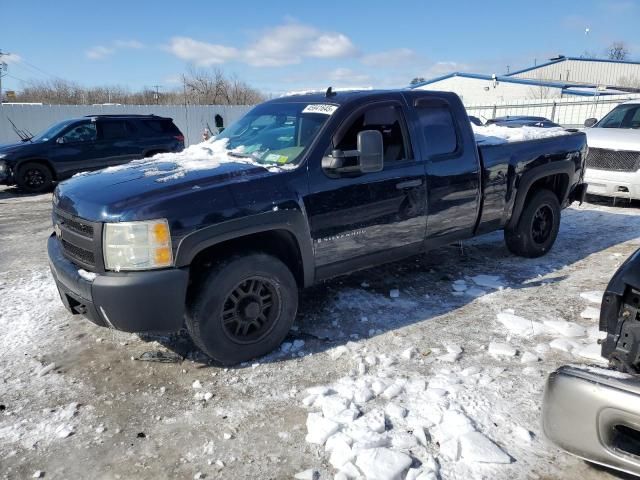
(85, 132)
(438, 128)
(389, 122)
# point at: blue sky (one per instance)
(280, 46)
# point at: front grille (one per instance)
(82, 228)
(77, 253)
(80, 239)
(616, 160)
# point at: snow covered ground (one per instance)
(428, 368)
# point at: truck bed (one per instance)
(504, 164)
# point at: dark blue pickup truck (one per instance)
(301, 189)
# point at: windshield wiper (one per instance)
(239, 155)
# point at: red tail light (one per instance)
(180, 138)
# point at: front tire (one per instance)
(34, 178)
(243, 308)
(538, 226)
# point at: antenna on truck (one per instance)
(330, 93)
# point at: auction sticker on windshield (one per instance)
(324, 108)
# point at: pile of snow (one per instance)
(378, 424)
(496, 135)
(206, 155)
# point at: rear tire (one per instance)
(537, 227)
(34, 177)
(243, 308)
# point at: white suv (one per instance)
(613, 162)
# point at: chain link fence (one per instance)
(568, 112)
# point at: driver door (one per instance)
(360, 219)
(75, 150)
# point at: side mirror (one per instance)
(60, 140)
(371, 151)
(590, 122)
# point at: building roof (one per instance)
(562, 58)
(566, 87)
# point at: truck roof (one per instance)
(336, 97)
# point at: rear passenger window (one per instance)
(160, 127)
(438, 128)
(112, 130)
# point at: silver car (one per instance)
(594, 413)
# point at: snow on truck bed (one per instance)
(497, 135)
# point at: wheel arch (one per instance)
(555, 177)
(283, 235)
(40, 160)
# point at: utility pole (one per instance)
(157, 94)
(3, 68)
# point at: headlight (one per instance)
(2, 155)
(137, 245)
(3, 165)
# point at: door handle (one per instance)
(408, 184)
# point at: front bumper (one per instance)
(594, 415)
(613, 184)
(150, 301)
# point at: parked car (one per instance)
(225, 248)
(475, 120)
(83, 144)
(613, 163)
(595, 413)
(517, 121)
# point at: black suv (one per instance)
(81, 144)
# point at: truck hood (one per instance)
(132, 191)
(613, 138)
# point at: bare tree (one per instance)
(200, 87)
(617, 51)
(416, 80)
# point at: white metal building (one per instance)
(476, 88)
(610, 73)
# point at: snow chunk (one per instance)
(340, 454)
(196, 384)
(349, 471)
(453, 353)
(488, 281)
(309, 474)
(566, 329)
(393, 410)
(594, 296)
(476, 447)
(528, 357)
(501, 349)
(88, 276)
(46, 369)
(372, 420)
(564, 344)
(591, 313)
(394, 293)
(497, 135)
(320, 429)
(591, 352)
(519, 325)
(383, 464)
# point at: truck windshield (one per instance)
(623, 116)
(276, 133)
(51, 132)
